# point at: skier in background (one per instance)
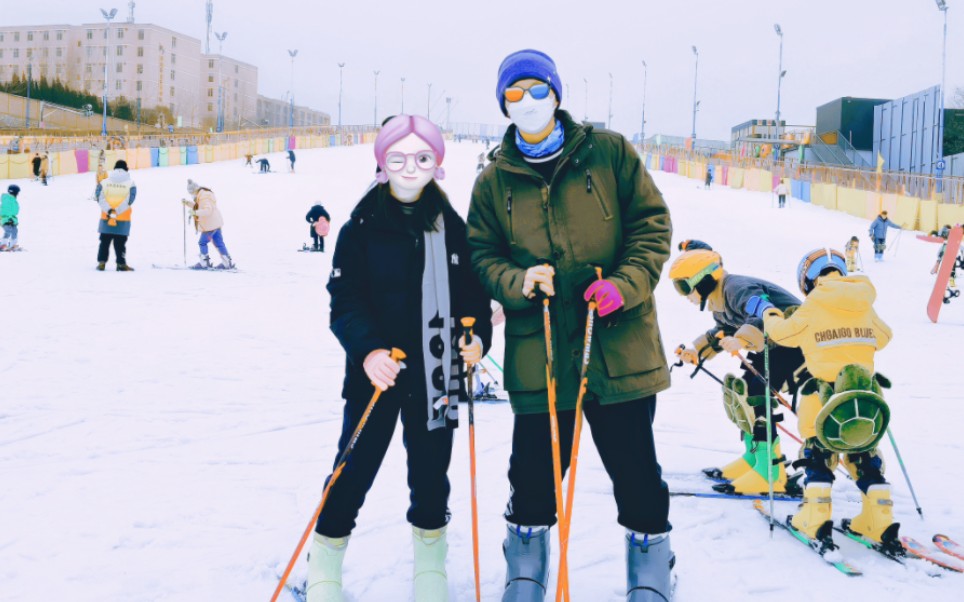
(36, 166)
(781, 191)
(852, 251)
(481, 165)
(605, 210)
(320, 224)
(9, 218)
(839, 333)
(208, 221)
(944, 233)
(878, 234)
(709, 177)
(44, 168)
(291, 159)
(247, 160)
(699, 276)
(265, 165)
(115, 195)
(401, 277)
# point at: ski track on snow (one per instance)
(165, 434)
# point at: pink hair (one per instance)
(401, 126)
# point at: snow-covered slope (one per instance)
(164, 435)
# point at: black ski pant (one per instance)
(318, 241)
(120, 248)
(784, 364)
(623, 434)
(782, 199)
(429, 453)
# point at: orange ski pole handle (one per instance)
(467, 325)
(554, 432)
(397, 355)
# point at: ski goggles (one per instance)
(685, 286)
(536, 91)
(396, 161)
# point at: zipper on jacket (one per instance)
(602, 202)
(588, 181)
(508, 210)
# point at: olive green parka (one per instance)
(601, 208)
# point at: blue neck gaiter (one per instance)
(550, 145)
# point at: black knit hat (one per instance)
(121, 164)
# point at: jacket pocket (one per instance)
(592, 188)
(508, 211)
(525, 352)
(630, 344)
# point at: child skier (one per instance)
(878, 234)
(852, 251)
(839, 333)
(782, 190)
(207, 221)
(401, 278)
(708, 180)
(291, 159)
(320, 223)
(9, 212)
(698, 275)
(115, 195)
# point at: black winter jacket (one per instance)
(316, 212)
(376, 290)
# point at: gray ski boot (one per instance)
(649, 568)
(526, 552)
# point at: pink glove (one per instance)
(607, 297)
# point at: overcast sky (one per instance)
(832, 48)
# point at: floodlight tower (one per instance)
(209, 12)
(108, 16)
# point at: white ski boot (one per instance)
(227, 263)
(431, 580)
(526, 552)
(324, 568)
(204, 264)
(649, 567)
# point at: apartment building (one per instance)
(277, 113)
(238, 91)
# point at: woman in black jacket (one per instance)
(401, 277)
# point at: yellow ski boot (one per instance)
(754, 482)
(737, 468)
(876, 519)
(814, 519)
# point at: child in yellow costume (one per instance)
(852, 249)
(841, 412)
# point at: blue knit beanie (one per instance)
(524, 64)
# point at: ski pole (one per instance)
(701, 368)
(766, 368)
(467, 324)
(756, 373)
(184, 230)
(397, 355)
(554, 432)
(897, 242)
(903, 468)
(574, 452)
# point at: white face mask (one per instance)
(407, 183)
(532, 116)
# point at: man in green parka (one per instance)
(558, 199)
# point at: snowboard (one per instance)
(193, 269)
(949, 264)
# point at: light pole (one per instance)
(448, 113)
(609, 124)
(291, 97)
(29, 81)
(428, 104)
(696, 104)
(220, 124)
(376, 97)
(942, 6)
(341, 81)
(585, 115)
(780, 74)
(108, 16)
(642, 129)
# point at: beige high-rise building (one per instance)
(153, 64)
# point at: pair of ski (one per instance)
(217, 268)
(909, 549)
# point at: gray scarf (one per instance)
(438, 349)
